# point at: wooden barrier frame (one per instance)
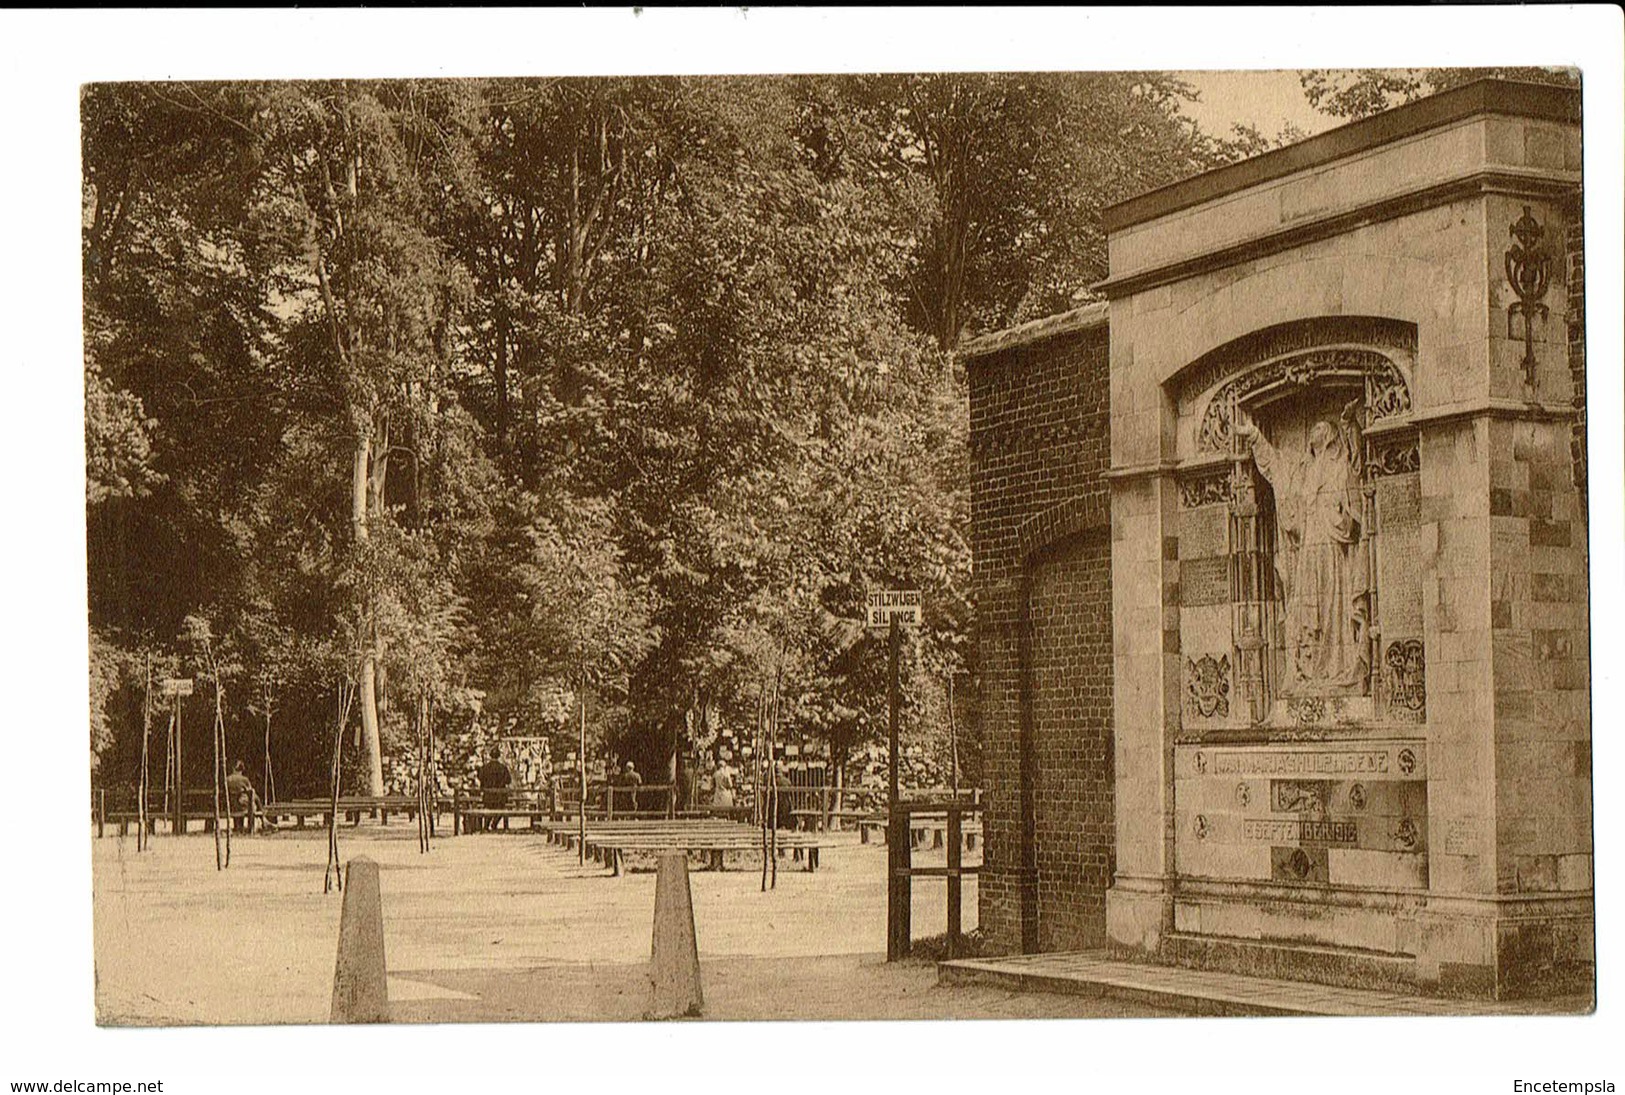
(901, 873)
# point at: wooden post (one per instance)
(898, 884)
(894, 642)
(144, 781)
(899, 930)
(177, 820)
(267, 781)
(581, 765)
(955, 838)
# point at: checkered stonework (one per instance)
(1040, 519)
(1576, 321)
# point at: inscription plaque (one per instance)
(1400, 581)
(1399, 502)
(1299, 831)
(1204, 581)
(1364, 762)
(1202, 532)
(1464, 836)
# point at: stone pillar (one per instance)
(1145, 654)
(1505, 580)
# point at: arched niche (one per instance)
(1326, 359)
(1240, 545)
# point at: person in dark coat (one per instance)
(495, 779)
(784, 815)
(628, 781)
(240, 799)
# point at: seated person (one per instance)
(240, 799)
(495, 779)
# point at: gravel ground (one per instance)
(506, 927)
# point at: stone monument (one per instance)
(1349, 559)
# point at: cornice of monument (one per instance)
(1543, 102)
(1525, 182)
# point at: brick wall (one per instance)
(1040, 519)
(1071, 702)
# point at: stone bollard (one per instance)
(674, 965)
(360, 981)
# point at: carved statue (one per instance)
(1322, 557)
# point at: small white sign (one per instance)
(176, 686)
(885, 605)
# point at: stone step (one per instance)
(1205, 992)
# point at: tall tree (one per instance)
(1001, 178)
(1360, 93)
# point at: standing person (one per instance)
(722, 794)
(629, 781)
(784, 816)
(240, 799)
(495, 779)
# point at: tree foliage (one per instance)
(495, 395)
(1360, 93)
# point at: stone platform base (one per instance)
(1292, 962)
(1504, 948)
(1200, 992)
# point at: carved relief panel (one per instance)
(1299, 466)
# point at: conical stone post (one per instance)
(360, 978)
(674, 966)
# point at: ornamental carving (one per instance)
(1309, 710)
(1407, 834)
(1238, 355)
(1297, 797)
(1528, 272)
(1205, 490)
(1386, 394)
(1405, 666)
(1207, 686)
(1393, 457)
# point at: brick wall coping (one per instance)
(1542, 101)
(1038, 330)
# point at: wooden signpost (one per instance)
(891, 608)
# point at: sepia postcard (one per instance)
(630, 543)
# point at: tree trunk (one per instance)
(368, 674)
(502, 377)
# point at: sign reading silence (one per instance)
(886, 605)
(175, 686)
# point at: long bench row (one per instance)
(611, 843)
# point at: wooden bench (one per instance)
(610, 844)
(815, 820)
(123, 810)
(351, 808)
(568, 832)
(921, 830)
